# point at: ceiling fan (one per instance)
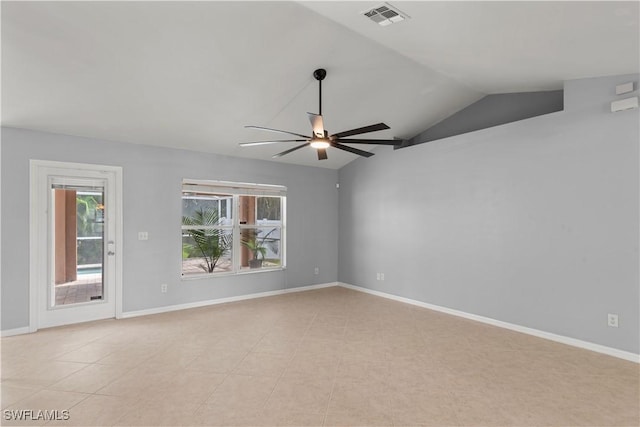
(320, 138)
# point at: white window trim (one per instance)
(237, 189)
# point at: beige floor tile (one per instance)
(321, 366)
(217, 360)
(262, 364)
(350, 370)
(553, 409)
(98, 410)
(434, 408)
(133, 385)
(292, 419)
(178, 355)
(326, 332)
(417, 378)
(129, 356)
(585, 414)
(44, 400)
(287, 331)
(159, 414)
(365, 351)
(362, 401)
(90, 378)
(28, 417)
(306, 395)
(358, 334)
(89, 353)
(191, 340)
(481, 410)
(12, 367)
(241, 393)
(24, 354)
(330, 356)
(277, 344)
(238, 343)
(357, 419)
(223, 417)
(323, 319)
(11, 394)
(321, 346)
(183, 387)
(44, 373)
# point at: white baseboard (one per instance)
(16, 331)
(632, 357)
(196, 304)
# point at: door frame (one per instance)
(38, 264)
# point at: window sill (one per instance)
(230, 273)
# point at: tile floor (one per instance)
(81, 290)
(331, 357)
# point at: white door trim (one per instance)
(37, 263)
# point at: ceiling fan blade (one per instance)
(277, 130)
(290, 150)
(358, 131)
(250, 144)
(317, 124)
(352, 150)
(322, 154)
(370, 141)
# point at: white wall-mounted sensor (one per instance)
(624, 88)
(624, 104)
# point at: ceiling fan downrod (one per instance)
(320, 74)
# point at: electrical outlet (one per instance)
(163, 288)
(381, 276)
(143, 235)
(316, 270)
(612, 320)
(377, 276)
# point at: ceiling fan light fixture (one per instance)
(318, 143)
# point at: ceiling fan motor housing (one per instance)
(320, 74)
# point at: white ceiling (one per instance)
(191, 74)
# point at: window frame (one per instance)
(237, 190)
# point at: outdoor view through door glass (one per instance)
(78, 243)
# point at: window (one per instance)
(232, 227)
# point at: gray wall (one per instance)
(151, 202)
(533, 223)
(493, 110)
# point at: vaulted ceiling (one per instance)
(191, 75)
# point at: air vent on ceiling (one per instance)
(385, 14)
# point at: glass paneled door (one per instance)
(77, 227)
(75, 232)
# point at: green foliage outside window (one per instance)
(87, 225)
(210, 244)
